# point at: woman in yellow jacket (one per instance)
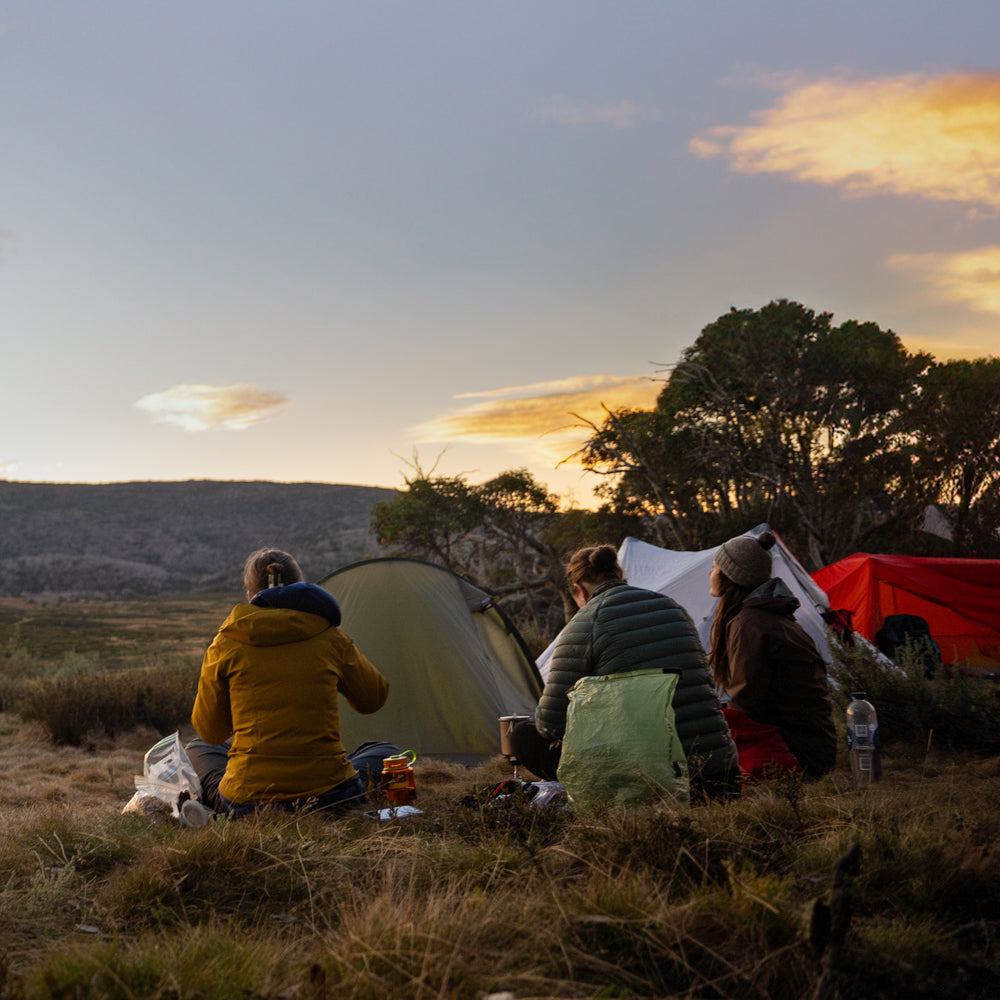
(266, 713)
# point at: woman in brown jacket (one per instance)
(771, 670)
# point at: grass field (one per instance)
(115, 632)
(475, 897)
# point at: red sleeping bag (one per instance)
(760, 747)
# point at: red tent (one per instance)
(958, 598)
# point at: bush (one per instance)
(954, 712)
(72, 706)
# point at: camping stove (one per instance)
(507, 724)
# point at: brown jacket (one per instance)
(779, 678)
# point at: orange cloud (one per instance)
(971, 277)
(541, 416)
(200, 407)
(936, 138)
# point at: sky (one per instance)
(339, 242)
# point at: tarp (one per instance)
(454, 662)
(958, 598)
(684, 577)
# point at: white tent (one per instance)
(454, 662)
(684, 577)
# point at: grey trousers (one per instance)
(209, 761)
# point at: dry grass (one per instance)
(473, 898)
(476, 897)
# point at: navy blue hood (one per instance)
(300, 597)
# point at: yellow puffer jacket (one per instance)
(271, 679)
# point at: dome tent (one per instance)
(454, 662)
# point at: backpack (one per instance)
(901, 631)
(367, 760)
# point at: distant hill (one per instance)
(126, 540)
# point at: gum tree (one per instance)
(957, 422)
(775, 414)
(497, 534)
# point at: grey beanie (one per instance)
(746, 560)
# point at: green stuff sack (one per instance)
(621, 746)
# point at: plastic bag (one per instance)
(621, 746)
(168, 777)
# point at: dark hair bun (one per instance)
(766, 540)
(604, 559)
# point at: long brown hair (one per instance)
(731, 597)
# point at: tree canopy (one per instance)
(496, 534)
(837, 435)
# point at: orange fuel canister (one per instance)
(398, 783)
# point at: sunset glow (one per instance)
(293, 242)
(936, 138)
(971, 278)
(547, 417)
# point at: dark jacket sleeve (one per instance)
(750, 687)
(572, 658)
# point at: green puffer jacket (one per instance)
(627, 628)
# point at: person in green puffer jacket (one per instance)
(622, 628)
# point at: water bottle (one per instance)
(863, 741)
(398, 782)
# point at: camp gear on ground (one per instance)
(398, 781)
(367, 760)
(863, 741)
(507, 724)
(168, 776)
(909, 634)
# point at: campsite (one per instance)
(474, 896)
(480, 893)
(500, 501)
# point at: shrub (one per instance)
(954, 712)
(72, 706)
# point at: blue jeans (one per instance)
(340, 799)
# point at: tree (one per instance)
(957, 421)
(495, 534)
(774, 414)
(431, 519)
(643, 452)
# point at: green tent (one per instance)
(454, 662)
